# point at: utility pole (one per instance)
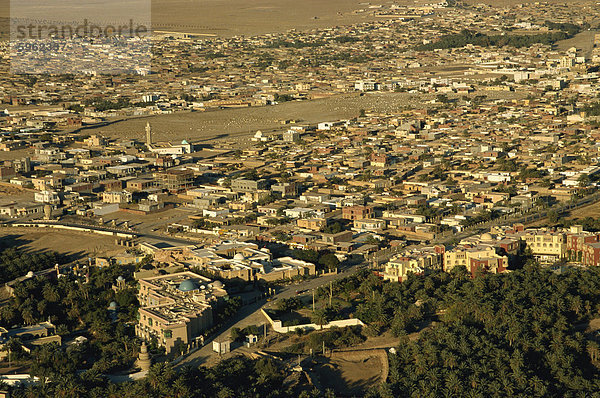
(313, 292)
(330, 291)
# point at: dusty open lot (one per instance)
(74, 245)
(592, 210)
(240, 122)
(149, 223)
(243, 17)
(352, 376)
(226, 18)
(583, 41)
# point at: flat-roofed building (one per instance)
(140, 184)
(357, 212)
(417, 262)
(545, 244)
(175, 180)
(244, 185)
(116, 197)
(177, 308)
(481, 257)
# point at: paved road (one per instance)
(109, 229)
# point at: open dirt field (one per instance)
(352, 376)
(592, 210)
(18, 154)
(74, 245)
(226, 18)
(149, 223)
(583, 41)
(243, 17)
(232, 123)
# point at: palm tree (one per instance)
(593, 350)
(28, 316)
(68, 388)
(180, 389)
(320, 317)
(159, 375)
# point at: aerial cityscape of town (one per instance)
(392, 199)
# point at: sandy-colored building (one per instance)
(415, 262)
(176, 309)
(473, 258)
(546, 245)
(357, 212)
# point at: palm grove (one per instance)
(525, 333)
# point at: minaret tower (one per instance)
(144, 361)
(148, 134)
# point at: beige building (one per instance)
(415, 262)
(116, 197)
(315, 224)
(286, 267)
(176, 309)
(545, 244)
(481, 256)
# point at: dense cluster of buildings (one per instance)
(230, 260)
(213, 73)
(488, 133)
(496, 251)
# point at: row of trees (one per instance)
(516, 334)
(333, 338)
(238, 377)
(15, 263)
(466, 37)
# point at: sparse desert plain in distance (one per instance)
(226, 18)
(255, 17)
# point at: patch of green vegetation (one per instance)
(15, 263)
(466, 37)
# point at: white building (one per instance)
(367, 85)
(50, 197)
(116, 197)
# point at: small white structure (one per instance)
(222, 347)
(251, 339)
(260, 137)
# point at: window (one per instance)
(168, 334)
(150, 321)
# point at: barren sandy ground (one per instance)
(584, 41)
(72, 244)
(227, 18)
(253, 17)
(587, 211)
(231, 123)
(353, 377)
(18, 154)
